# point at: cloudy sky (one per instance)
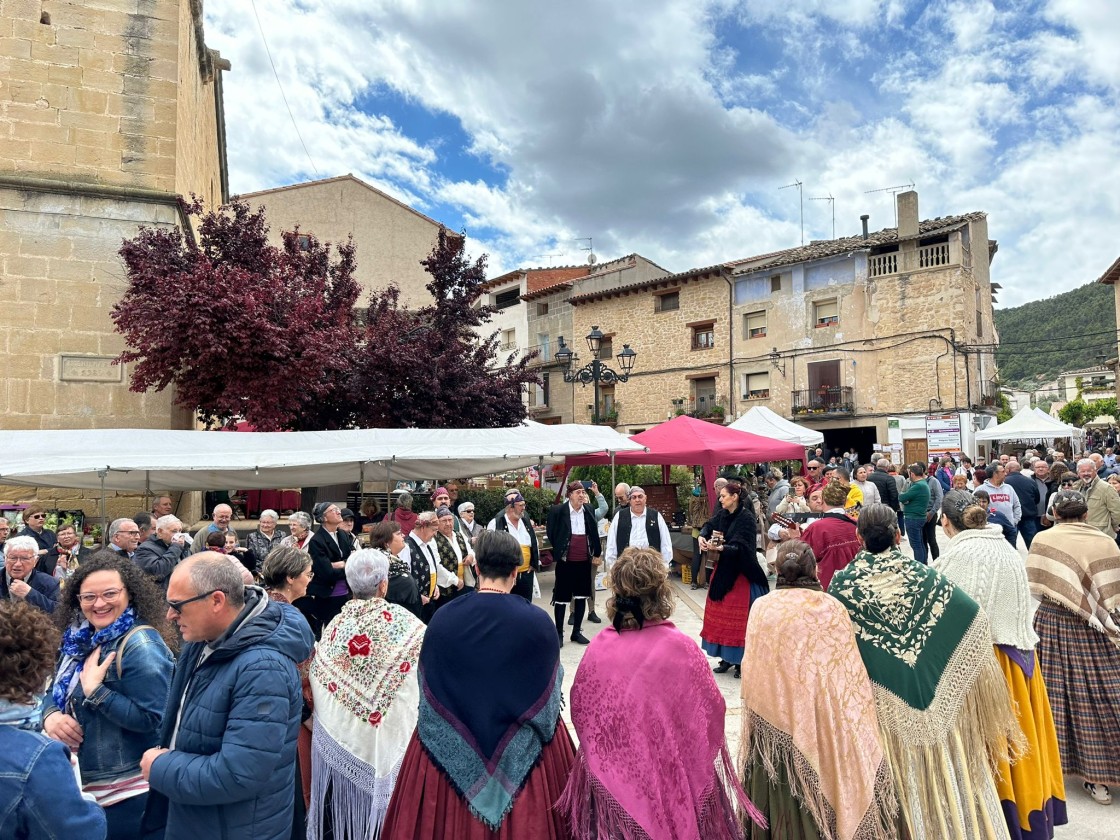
(668, 127)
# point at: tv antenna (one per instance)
(894, 191)
(801, 199)
(549, 256)
(591, 258)
(832, 202)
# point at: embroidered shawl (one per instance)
(945, 714)
(363, 679)
(490, 695)
(982, 563)
(1079, 567)
(813, 715)
(622, 711)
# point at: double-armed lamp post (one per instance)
(594, 371)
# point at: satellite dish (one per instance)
(592, 259)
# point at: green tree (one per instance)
(1004, 413)
(1075, 412)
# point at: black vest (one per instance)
(502, 524)
(653, 530)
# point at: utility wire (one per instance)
(276, 75)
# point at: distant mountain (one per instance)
(1039, 340)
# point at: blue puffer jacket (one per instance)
(232, 771)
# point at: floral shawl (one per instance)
(814, 715)
(1077, 566)
(944, 710)
(618, 696)
(363, 678)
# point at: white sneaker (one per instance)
(1099, 793)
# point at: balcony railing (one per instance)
(927, 256)
(989, 394)
(881, 264)
(826, 400)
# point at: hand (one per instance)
(595, 488)
(435, 595)
(460, 584)
(338, 564)
(93, 674)
(470, 561)
(19, 589)
(148, 759)
(704, 544)
(62, 727)
(425, 600)
(41, 552)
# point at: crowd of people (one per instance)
(310, 686)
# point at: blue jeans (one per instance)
(1028, 527)
(914, 535)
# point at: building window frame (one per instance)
(760, 380)
(702, 335)
(754, 324)
(667, 301)
(826, 313)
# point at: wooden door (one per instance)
(914, 451)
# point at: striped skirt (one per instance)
(1082, 672)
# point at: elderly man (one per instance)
(574, 535)
(884, 481)
(455, 553)
(223, 514)
(1026, 489)
(514, 521)
(421, 555)
(21, 581)
(1041, 473)
(640, 526)
(1104, 504)
(468, 526)
(5, 531)
(162, 506)
(233, 711)
(124, 536)
(163, 551)
(779, 488)
(146, 523)
(621, 495)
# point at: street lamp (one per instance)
(594, 371)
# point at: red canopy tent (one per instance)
(686, 440)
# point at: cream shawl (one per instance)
(1079, 567)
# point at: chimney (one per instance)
(864, 219)
(907, 214)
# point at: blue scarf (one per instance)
(26, 716)
(77, 643)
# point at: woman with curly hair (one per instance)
(38, 793)
(631, 664)
(110, 686)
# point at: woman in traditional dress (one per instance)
(945, 714)
(285, 573)
(490, 755)
(979, 561)
(1074, 570)
(631, 664)
(386, 536)
(810, 751)
(110, 687)
(729, 593)
(363, 678)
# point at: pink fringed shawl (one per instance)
(653, 760)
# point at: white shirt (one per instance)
(579, 526)
(638, 536)
(444, 577)
(520, 531)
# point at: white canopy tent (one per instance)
(1030, 424)
(762, 421)
(139, 459)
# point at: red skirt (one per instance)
(425, 806)
(725, 622)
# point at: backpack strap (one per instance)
(124, 641)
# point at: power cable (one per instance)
(276, 75)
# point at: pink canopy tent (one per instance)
(686, 440)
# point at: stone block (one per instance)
(15, 47)
(22, 422)
(71, 76)
(94, 58)
(54, 54)
(44, 246)
(103, 80)
(27, 366)
(21, 9)
(72, 37)
(39, 133)
(135, 111)
(90, 101)
(89, 122)
(43, 400)
(30, 267)
(97, 157)
(38, 290)
(25, 90)
(54, 154)
(78, 342)
(32, 30)
(90, 318)
(98, 249)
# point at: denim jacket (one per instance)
(39, 797)
(121, 719)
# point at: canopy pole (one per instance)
(147, 489)
(104, 520)
(613, 482)
(540, 471)
(361, 485)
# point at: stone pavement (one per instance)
(1087, 820)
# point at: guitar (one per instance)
(786, 522)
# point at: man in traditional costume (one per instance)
(574, 536)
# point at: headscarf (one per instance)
(614, 790)
(813, 715)
(363, 679)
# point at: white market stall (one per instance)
(1031, 425)
(761, 421)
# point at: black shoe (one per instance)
(580, 639)
(738, 672)
(560, 633)
(594, 619)
(723, 667)
(572, 619)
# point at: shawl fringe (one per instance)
(592, 811)
(780, 757)
(359, 800)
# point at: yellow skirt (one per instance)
(1032, 790)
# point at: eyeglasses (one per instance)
(20, 560)
(109, 596)
(177, 606)
(37, 516)
(129, 533)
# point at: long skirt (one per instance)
(1032, 790)
(787, 819)
(724, 633)
(426, 807)
(1082, 672)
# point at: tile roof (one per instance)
(1111, 275)
(538, 278)
(602, 270)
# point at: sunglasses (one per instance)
(177, 606)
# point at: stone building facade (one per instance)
(108, 112)
(862, 337)
(1111, 278)
(390, 237)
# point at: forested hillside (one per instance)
(1040, 339)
